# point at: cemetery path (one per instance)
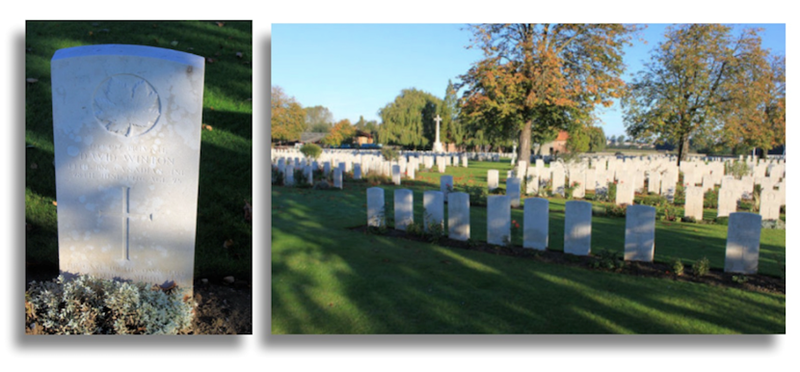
(605, 262)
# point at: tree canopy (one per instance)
(288, 116)
(408, 120)
(548, 74)
(318, 119)
(697, 80)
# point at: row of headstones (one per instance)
(730, 193)
(741, 254)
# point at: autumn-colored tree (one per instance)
(340, 133)
(537, 77)
(408, 120)
(288, 116)
(759, 120)
(695, 80)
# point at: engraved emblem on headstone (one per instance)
(126, 104)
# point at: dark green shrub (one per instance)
(311, 151)
(389, 154)
(651, 200)
(677, 266)
(277, 176)
(614, 210)
(711, 198)
(701, 267)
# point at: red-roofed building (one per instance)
(557, 146)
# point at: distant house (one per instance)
(557, 146)
(362, 138)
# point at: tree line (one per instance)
(703, 85)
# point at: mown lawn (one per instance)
(327, 278)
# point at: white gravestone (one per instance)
(558, 180)
(492, 179)
(744, 237)
(337, 178)
(513, 190)
(375, 205)
(640, 233)
(396, 174)
(445, 185)
(498, 220)
(578, 228)
(433, 203)
(694, 203)
(535, 233)
(288, 175)
(532, 181)
(356, 171)
(458, 216)
(126, 128)
(770, 208)
(403, 208)
(726, 201)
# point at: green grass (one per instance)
(226, 152)
(329, 279)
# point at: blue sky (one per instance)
(356, 69)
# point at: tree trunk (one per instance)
(683, 148)
(525, 142)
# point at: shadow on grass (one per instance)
(327, 279)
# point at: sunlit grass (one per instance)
(327, 278)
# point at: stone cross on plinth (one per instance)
(437, 146)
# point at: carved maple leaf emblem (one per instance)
(127, 105)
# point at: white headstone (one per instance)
(578, 227)
(396, 174)
(536, 223)
(744, 238)
(458, 216)
(445, 185)
(640, 233)
(126, 128)
(498, 220)
(513, 190)
(770, 208)
(403, 208)
(694, 203)
(493, 179)
(433, 202)
(337, 178)
(375, 207)
(726, 201)
(558, 180)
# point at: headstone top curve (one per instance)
(129, 50)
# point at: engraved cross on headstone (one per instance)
(126, 221)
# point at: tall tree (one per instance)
(539, 76)
(288, 116)
(451, 129)
(695, 80)
(408, 120)
(760, 118)
(318, 119)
